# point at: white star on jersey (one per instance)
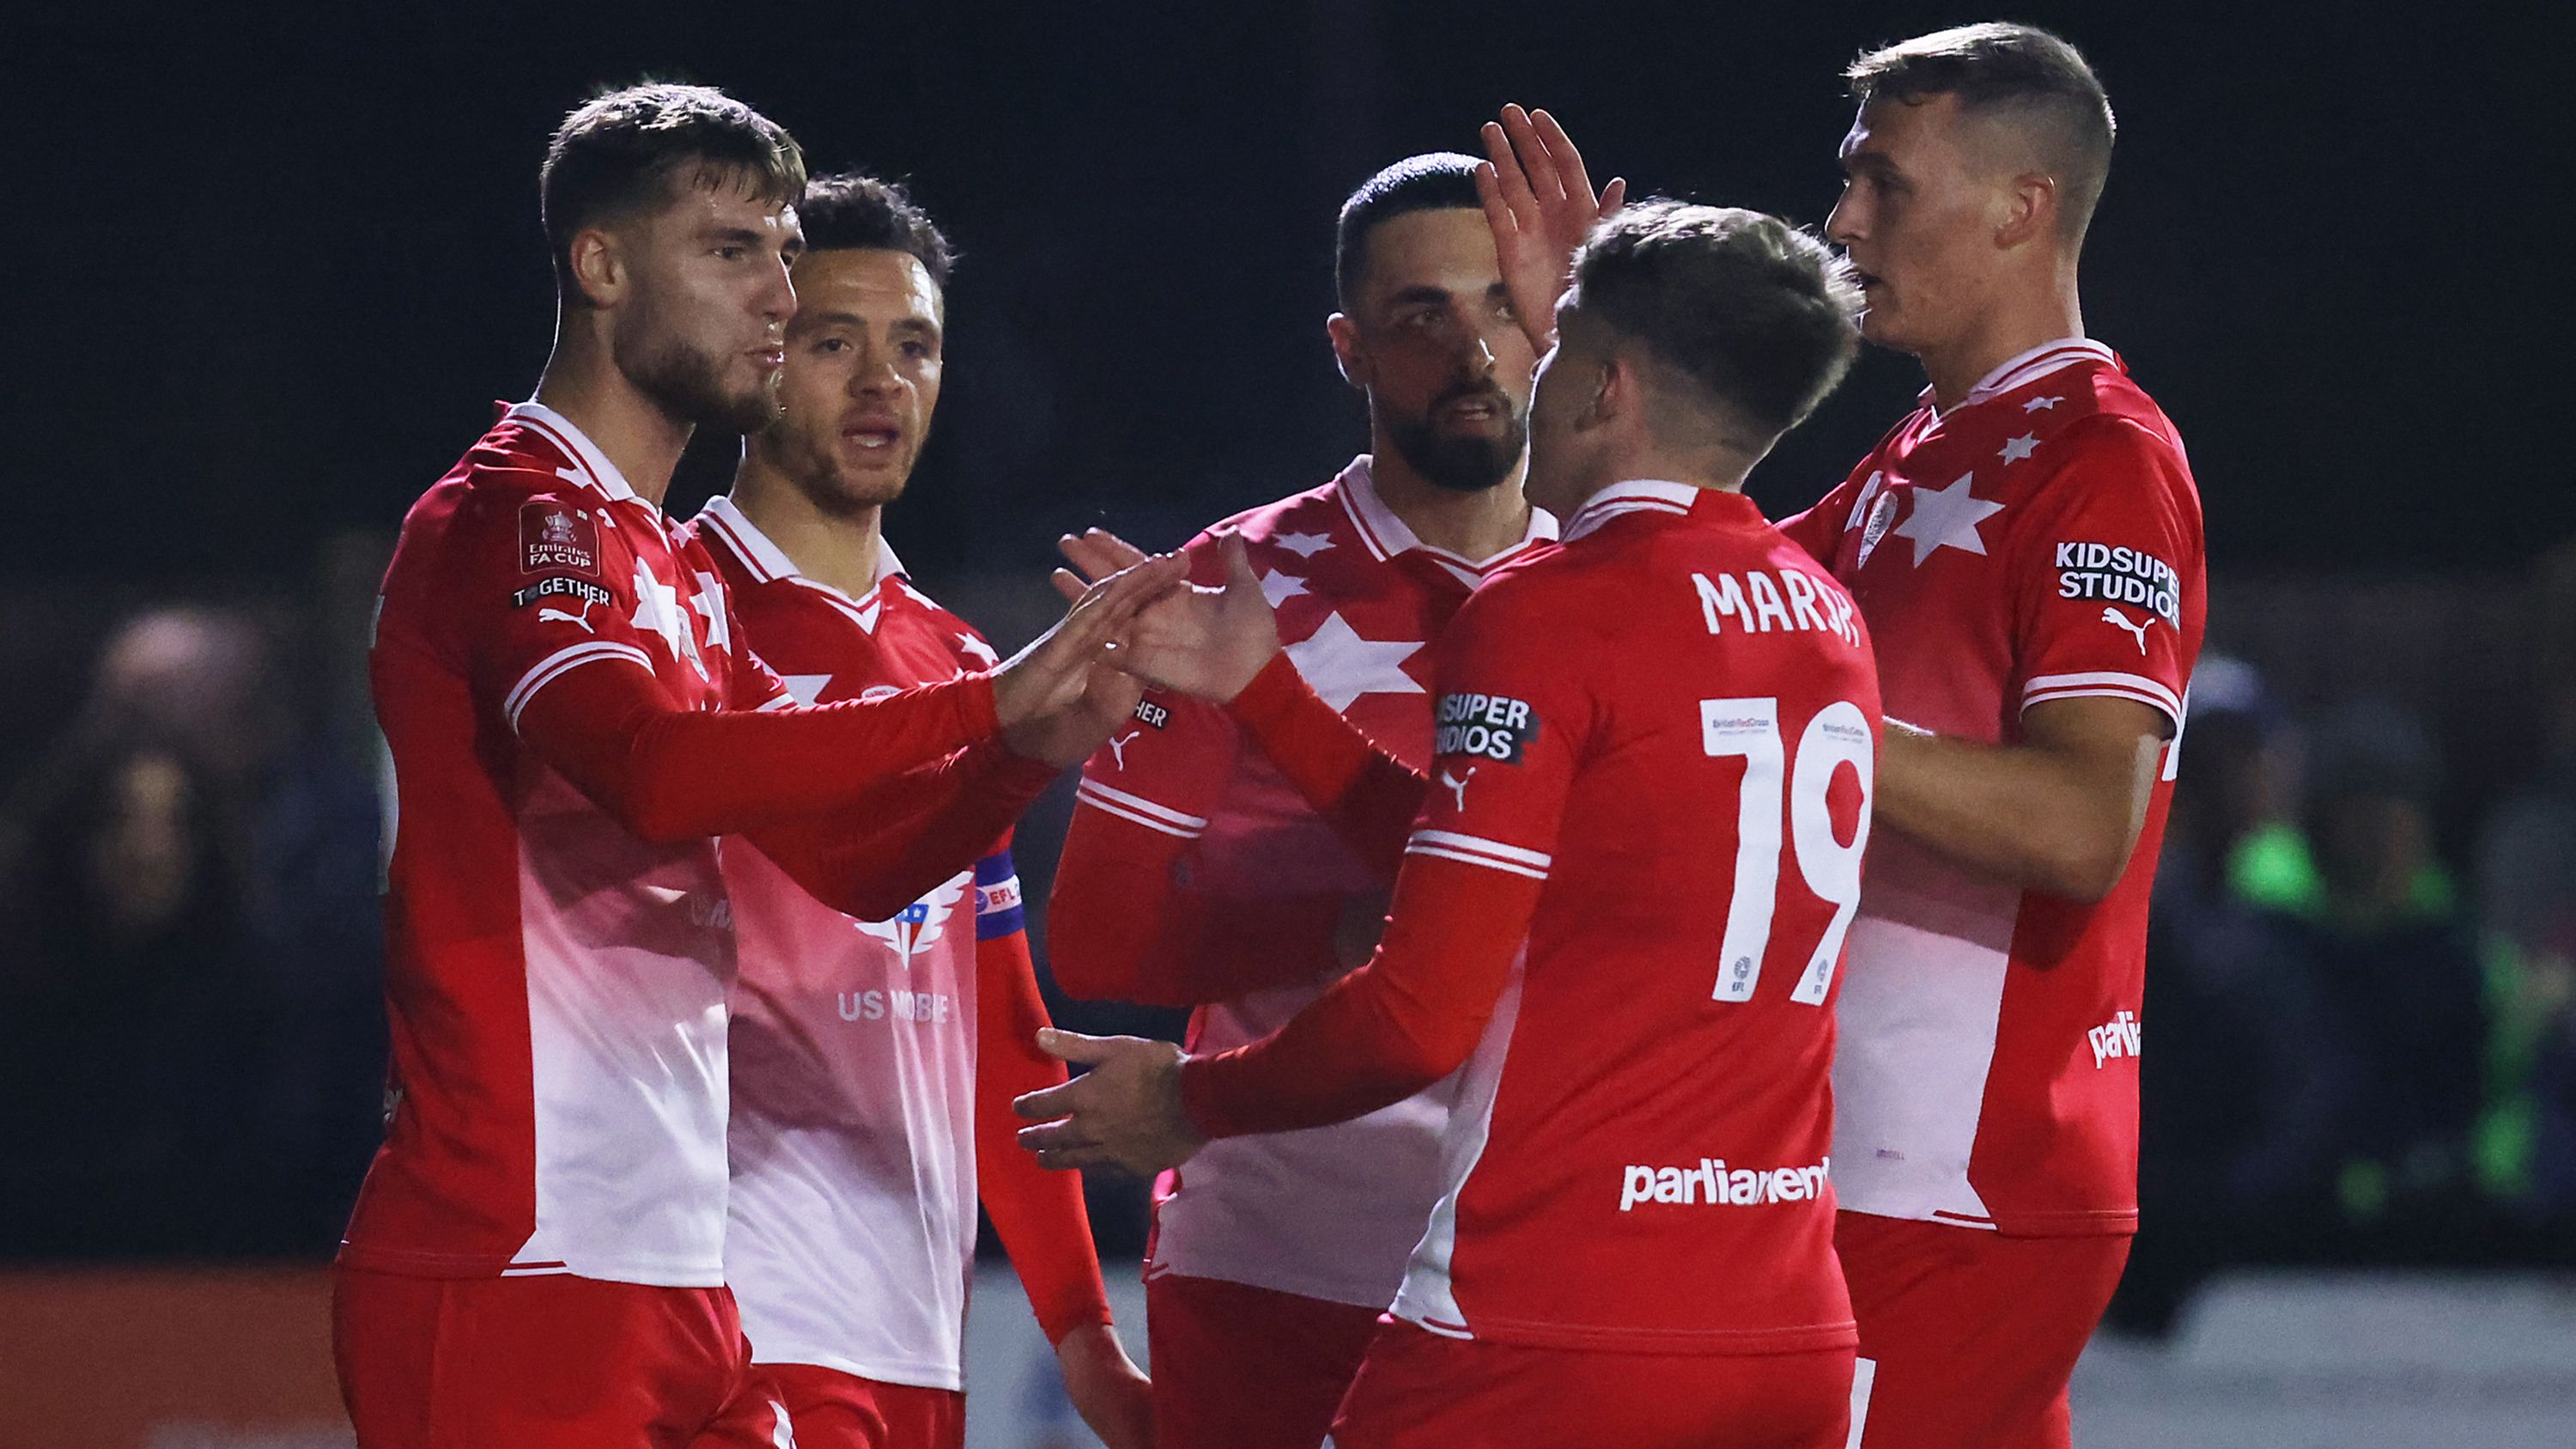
(1304, 545)
(2016, 449)
(1947, 517)
(709, 602)
(1277, 586)
(1341, 666)
(976, 649)
(2042, 404)
(657, 608)
(805, 689)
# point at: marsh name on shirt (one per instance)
(2117, 574)
(1713, 1184)
(1760, 602)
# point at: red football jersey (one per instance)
(2039, 541)
(865, 1052)
(557, 983)
(1195, 875)
(1635, 862)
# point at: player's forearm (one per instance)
(897, 843)
(2048, 819)
(1038, 1213)
(671, 774)
(1407, 1019)
(1368, 797)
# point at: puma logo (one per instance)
(2114, 616)
(1118, 747)
(1458, 784)
(582, 618)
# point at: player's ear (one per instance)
(1348, 355)
(2029, 210)
(598, 267)
(1614, 393)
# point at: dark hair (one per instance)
(850, 210)
(2037, 80)
(1433, 181)
(1761, 316)
(620, 151)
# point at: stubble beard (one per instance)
(1460, 464)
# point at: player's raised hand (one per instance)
(1125, 1112)
(1540, 204)
(1054, 673)
(1203, 642)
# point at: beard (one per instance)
(1466, 464)
(810, 462)
(690, 386)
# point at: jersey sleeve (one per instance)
(1135, 914)
(2107, 573)
(545, 589)
(1820, 529)
(1514, 715)
(1038, 1213)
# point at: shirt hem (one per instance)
(2074, 1223)
(1711, 1342)
(910, 1376)
(418, 1264)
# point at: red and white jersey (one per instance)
(1624, 891)
(1330, 1212)
(2040, 541)
(557, 984)
(852, 1232)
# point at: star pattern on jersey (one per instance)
(805, 689)
(657, 611)
(2042, 404)
(977, 650)
(709, 602)
(1304, 545)
(1341, 666)
(1947, 518)
(1278, 586)
(2016, 449)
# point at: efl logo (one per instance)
(1711, 1183)
(2117, 1037)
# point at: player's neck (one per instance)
(2025, 319)
(840, 549)
(1476, 525)
(636, 433)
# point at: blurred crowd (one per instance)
(2362, 988)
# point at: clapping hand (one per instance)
(1203, 642)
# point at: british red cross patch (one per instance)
(558, 538)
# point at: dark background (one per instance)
(267, 273)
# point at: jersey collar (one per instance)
(592, 465)
(1388, 536)
(2029, 367)
(1654, 495)
(769, 563)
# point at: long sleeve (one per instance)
(668, 773)
(1039, 1213)
(896, 843)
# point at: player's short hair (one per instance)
(1433, 181)
(2019, 73)
(850, 210)
(621, 150)
(1762, 318)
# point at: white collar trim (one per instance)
(1637, 495)
(557, 429)
(2031, 366)
(766, 560)
(1387, 535)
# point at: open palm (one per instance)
(1204, 642)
